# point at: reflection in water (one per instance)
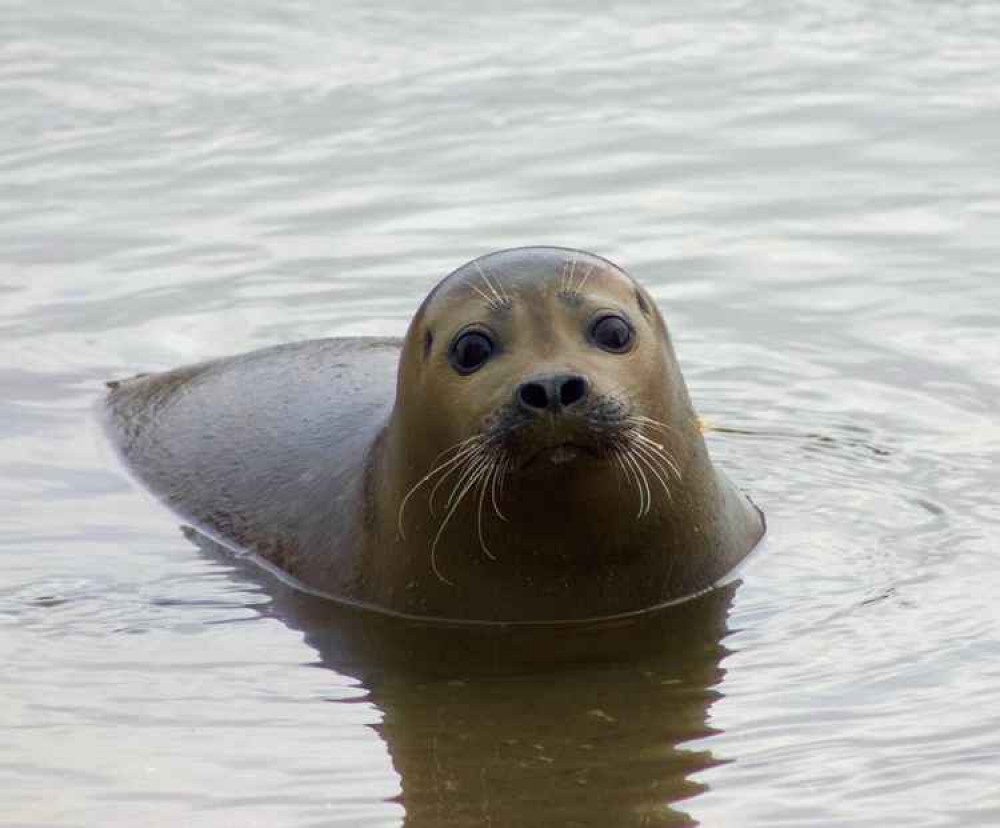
(524, 725)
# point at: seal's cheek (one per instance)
(460, 405)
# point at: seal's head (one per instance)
(547, 366)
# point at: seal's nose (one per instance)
(552, 393)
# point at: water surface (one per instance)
(810, 192)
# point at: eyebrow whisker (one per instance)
(584, 278)
(489, 301)
(499, 299)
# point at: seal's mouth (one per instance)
(560, 454)
(589, 437)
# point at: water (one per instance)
(810, 192)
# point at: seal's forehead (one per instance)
(500, 278)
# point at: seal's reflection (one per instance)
(582, 725)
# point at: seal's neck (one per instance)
(573, 541)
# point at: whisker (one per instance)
(661, 452)
(461, 461)
(641, 420)
(488, 300)
(645, 484)
(642, 483)
(503, 478)
(499, 476)
(505, 297)
(583, 280)
(498, 300)
(479, 511)
(444, 525)
(461, 447)
(626, 473)
(473, 465)
(650, 464)
(637, 423)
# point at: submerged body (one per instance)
(527, 453)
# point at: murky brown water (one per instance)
(810, 191)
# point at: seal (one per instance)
(539, 460)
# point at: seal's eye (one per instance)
(612, 333)
(470, 352)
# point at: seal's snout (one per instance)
(553, 392)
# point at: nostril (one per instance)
(572, 390)
(534, 395)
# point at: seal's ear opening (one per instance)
(641, 302)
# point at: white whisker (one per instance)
(626, 473)
(472, 467)
(584, 278)
(660, 451)
(444, 524)
(498, 477)
(640, 420)
(489, 301)
(649, 460)
(498, 299)
(641, 483)
(483, 485)
(461, 461)
(461, 447)
(645, 483)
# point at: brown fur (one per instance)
(305, 448)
